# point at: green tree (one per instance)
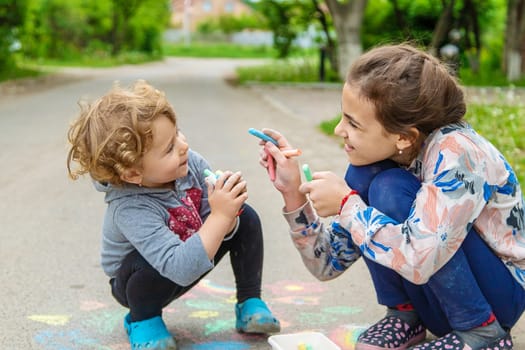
(137, 25)
(280, 16)
(56, 29)
(76, 28)
(147, 27)
(389, 21)
(429, 23)
(122, 12)
(12, 14)
(329, 43)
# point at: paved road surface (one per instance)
(54, 294)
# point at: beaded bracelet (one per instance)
(345, 198)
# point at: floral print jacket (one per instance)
(465, 181)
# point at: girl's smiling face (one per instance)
(365, 139)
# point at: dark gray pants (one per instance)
(141, 288)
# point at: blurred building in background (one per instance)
(191, 12)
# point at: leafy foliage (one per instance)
(290, 70)
(198, 49)
(286, 18)
(228, 24)
(415, 22)
(69, 29)
(12, 16)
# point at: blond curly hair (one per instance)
(112, 133)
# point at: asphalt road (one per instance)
(54, 293)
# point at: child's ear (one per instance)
(408, 139)
(132, 176)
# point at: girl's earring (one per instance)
(400, 151)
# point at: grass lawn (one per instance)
(98, 61)
(26, 67)
(17, 72)
(218, 50)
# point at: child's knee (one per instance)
(393, 191)
(249, 216)
(360, 177)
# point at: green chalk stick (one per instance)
(307, 172)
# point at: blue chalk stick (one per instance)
(262, 136)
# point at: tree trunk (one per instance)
(442, 28)
(347, 17)
(331, 49)
(116, 35)
(123, 11)
(400, 19)
(514, 62)
(471, 45)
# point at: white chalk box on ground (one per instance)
(316, 341)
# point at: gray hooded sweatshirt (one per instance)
(160, 224)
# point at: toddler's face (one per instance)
(365, 139)
(167, 158)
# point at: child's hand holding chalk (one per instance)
(271, 162)
(264, 137)
(211, 178)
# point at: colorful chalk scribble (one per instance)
(346, 335)
(54, 320)
(203, 318)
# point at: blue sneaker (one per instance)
(149, 334)
(253, 316)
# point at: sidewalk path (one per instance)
(54, 294)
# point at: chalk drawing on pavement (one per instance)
(346, 335)
(90, 305)
(343, 310)
(220, 346)
(209, 286)
(283, 288)
(203, 314)
(203, 318)
(53, 320)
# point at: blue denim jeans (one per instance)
(463, 293)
